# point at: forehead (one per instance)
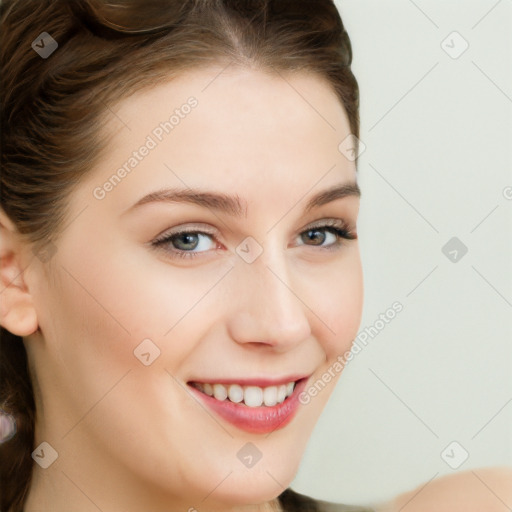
(224, 86)
(249, 105)
(236, 128)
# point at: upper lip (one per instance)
(259, 381)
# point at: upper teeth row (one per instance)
(253, 396)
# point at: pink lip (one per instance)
(256, 420)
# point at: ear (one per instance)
(17, 312)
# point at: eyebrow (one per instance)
(233, 205)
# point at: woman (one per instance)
(179, 249)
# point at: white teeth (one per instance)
(208, 389)
(220, 392)
(270, 396)
(236, 393)
(281, 393)
(253, 396)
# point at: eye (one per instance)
(185, 244)
(190, 243)
(333, 231)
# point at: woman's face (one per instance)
(139, 323)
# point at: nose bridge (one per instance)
(268, 309)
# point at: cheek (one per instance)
(97, 314)
(339, 304)
(107, 307)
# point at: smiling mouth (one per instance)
(251, 396)
(258, 406)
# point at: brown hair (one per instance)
(55, 105)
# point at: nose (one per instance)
(267, 308)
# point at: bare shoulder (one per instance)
(477, 490)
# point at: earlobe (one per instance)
(17, 312)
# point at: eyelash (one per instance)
(337, 227)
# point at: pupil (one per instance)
(187, 239)
(316, 236)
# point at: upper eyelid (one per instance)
(198, 228)
(203, 228)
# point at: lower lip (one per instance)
(256, 420)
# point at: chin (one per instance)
(250, 486)
(241, 492)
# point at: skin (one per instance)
(131, 437)
(483, 489)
